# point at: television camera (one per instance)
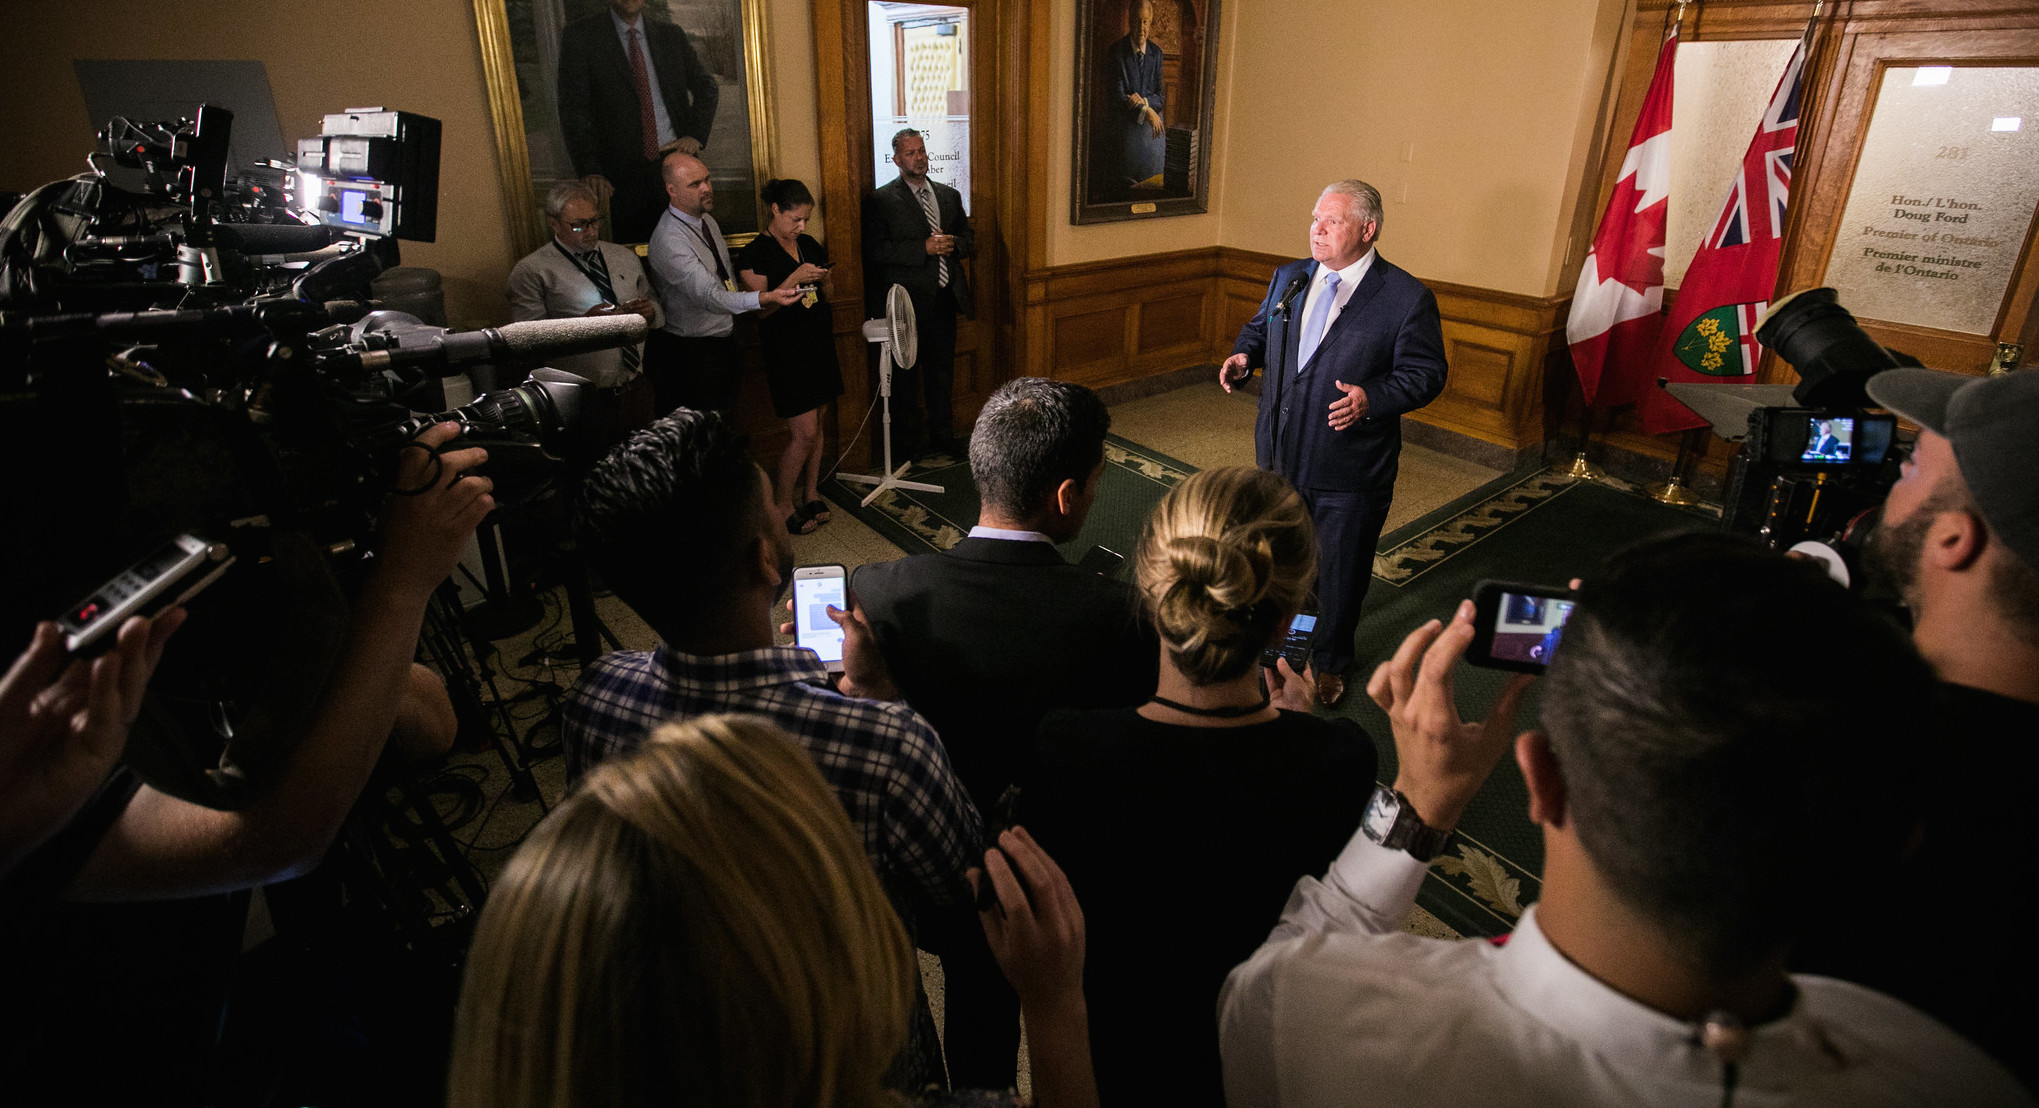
(1815, 463)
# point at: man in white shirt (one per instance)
(694, 361)
(1703, 784)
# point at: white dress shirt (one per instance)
(982, 532)
(1342, 1008)
(697, 305)
(1348, 280)
(658, 100)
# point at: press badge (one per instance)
(809, 296)
(729, 284)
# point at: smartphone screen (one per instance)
(1295, 642)
(1518, 627)
(815, 589)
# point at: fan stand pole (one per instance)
(887, 478)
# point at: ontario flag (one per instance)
(1711, 332)
(1618, 304)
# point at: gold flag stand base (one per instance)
(1673, 492)
(1583, 470)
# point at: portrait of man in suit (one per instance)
(1143, 71)
(631, 89)
(1350, 342)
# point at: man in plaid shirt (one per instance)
(677, 521)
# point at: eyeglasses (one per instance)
(583, 225)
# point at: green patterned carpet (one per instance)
(1532, 525)
(1135, 479)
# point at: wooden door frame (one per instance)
(1004, 37)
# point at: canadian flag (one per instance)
(1618, 304)
(1711, 333)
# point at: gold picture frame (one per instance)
(515, 69)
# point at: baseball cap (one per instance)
(1993, 425)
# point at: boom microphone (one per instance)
(276, 238)
(517, 344)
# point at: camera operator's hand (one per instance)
(1442, 760)
(63, 723)
(782, 297)
(423, 534)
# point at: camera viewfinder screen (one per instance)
(350, 206)
(1298, 637)
(815, 631)
(1831, 440)
(1527, 628)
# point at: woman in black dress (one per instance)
(800, 360)
(1183, 824)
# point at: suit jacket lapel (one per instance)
(1369, 285)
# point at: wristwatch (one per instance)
(1391, 822)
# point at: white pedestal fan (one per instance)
(897, 344)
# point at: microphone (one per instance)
(528, 343)
(1296, 285)
(276, 238)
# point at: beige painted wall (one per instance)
(433, 67)
(1474, 119)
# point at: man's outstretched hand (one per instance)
(1234, 372)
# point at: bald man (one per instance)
(693, 361)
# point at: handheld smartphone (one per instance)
(1294, 644)
(1517, 626)
(1101, 560)
(1004, 817)
(173, 574)
(815, 588)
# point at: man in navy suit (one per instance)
(1349, 342)
(631, 90)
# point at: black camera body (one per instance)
(1806, 474)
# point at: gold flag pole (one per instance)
(1583, 470)
(1673, 491)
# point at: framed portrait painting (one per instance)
(567, 83)
(1145, 79)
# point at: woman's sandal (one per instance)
(817, 510)
(801, 522)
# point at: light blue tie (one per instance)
(1320, 312)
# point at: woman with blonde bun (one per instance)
(1183, 823)
(698, 924)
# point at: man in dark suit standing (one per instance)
(986, 637)
(1349, 342)
(916, 235)
(631, 90)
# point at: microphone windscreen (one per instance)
(540, 340)
(278, 238)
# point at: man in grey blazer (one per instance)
(577, 274)
(693, 360)
(916, 236)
